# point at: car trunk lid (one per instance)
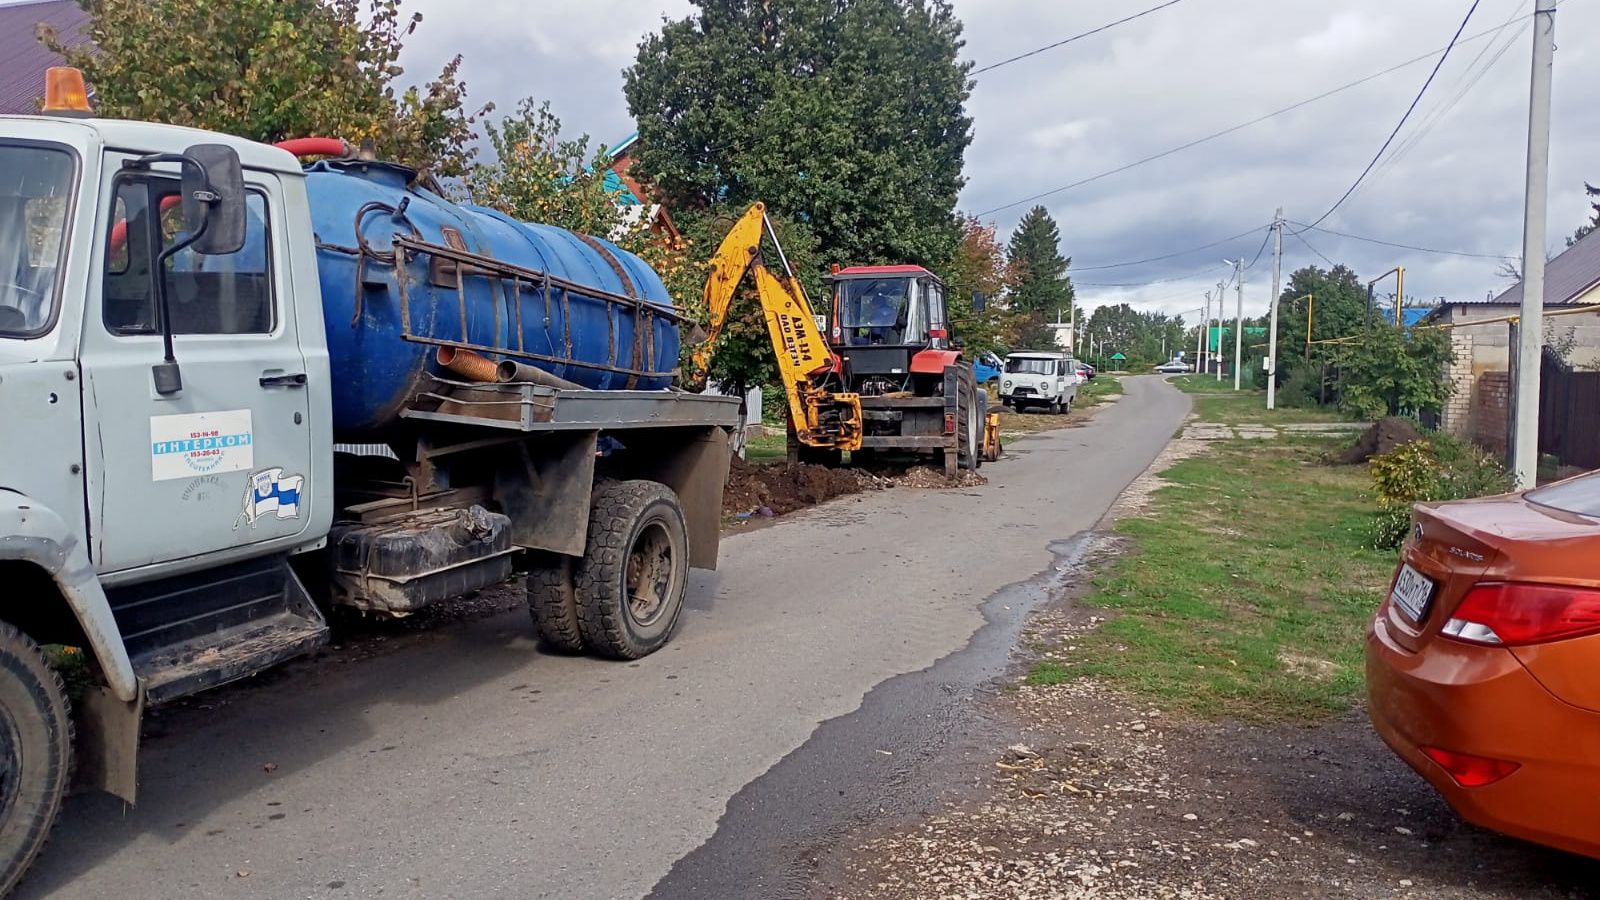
(1456, 545)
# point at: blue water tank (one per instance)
(380, 358)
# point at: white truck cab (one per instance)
(1039, 378)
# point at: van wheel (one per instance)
(1055, 406)
(635, 570)
(35, 752)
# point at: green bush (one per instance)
(1302, 389)
(1440, 467)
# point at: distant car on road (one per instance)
(1085, 371)
(1481, 660)
(1172, 368)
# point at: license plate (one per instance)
(1412, 592)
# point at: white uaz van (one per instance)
(1039, 378)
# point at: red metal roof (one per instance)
(884, 270)
(23, 59)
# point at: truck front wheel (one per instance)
(635, 570)
(35, 752)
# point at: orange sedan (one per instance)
(1483, 663)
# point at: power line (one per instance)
(1140, 262)
(1401, 124)
(1470, 77)
(1261, 251)
(1076, 37)
(1301, 238)
(1373, 240)
(1168, 279)
(1241, 126)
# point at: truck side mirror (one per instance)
(980, 301)
(213, 199)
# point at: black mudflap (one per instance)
(192, 632)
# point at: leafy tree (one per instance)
(274, 69)
(539, 176)
(1039, 280)
(1143, 338)
(979, 264)
(1395, 371)
(846, 116)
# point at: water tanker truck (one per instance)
(238, 392)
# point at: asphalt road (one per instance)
(469, 765)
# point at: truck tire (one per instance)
(35, 752)
(635, 569)
(553, 603)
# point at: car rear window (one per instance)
(1580, 495)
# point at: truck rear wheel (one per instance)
(553, 603)
(635, 570)
(35, 752)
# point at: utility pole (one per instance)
(1238, 325)
(1222, 297)
(1200, 337)
(1272, 327)
(1530, 328)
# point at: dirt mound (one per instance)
(784, 488)
(1384, 435)
(933, 477)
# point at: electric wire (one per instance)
(1373, 240)
(1401, 124)
(1076, 37)
(1301, 238)
(1140, 262)
(1243, 125)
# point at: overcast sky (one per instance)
(1154, 84)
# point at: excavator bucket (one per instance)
(991, 437)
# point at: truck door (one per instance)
(221, 465)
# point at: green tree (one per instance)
(1039, 281)
(846, 116)
(1395, 371)
(979, 264)
(538, 175)
(269, 70)
(1143, 338)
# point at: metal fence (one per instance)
(1569, 413)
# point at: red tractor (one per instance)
(890, 335)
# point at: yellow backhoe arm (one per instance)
(822, 418)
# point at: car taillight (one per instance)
(1509, 614)
(1469, 770)
(949, 423)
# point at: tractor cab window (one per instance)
(1024, 365)
(880, 311)
(35, 189)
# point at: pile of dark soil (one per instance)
(1384, 435)
(784, 488)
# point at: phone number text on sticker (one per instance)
(201, 444)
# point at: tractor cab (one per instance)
(883, 318)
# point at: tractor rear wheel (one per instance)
(969, 423)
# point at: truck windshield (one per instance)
(1023, 365)
(35, 190)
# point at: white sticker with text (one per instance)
(201, 444)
